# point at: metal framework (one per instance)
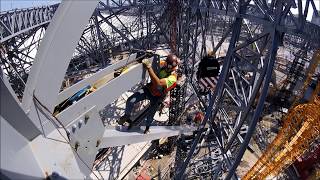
(300, 130)
(84, 37)
(252, 50)
(16, 22)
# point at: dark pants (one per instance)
(141, 95)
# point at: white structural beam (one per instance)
(100, 98)
(17, 158)
(56, 156)
(117, 137)
(11, 110)
(104, 95)
(55, 52)
(53, 57)
(94, 78)
(120, 160)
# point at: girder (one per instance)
(18, 21)
(253, 31)
(237, 86)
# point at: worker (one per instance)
(155, 91)
(198, 117)
(194, 117)
(208, 71)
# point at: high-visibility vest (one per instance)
(171, 82)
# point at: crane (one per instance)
(300, 129)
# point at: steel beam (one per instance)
(16, 22)
(55, 52)
(12, 112)
(118, 137)
(104, 95)
(63, 95)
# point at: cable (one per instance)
(66, 139)
(49, 117)
(55, 125)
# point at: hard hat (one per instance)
(172, 61)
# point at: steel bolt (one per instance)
(80, 123)
(86, 118)
(74, 127)
(98, 143)
(68, 132)
(76, 145)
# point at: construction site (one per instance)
(160, 89)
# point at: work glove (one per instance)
(146, 63)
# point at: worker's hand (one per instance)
(146, 63)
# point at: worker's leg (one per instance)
(154, 104)
(131, 101)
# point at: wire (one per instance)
(49, 117)
(55, 125)
(66, 139)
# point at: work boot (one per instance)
(146, 131)
(124, 119)
(130, 125)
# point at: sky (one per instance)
(6, 5)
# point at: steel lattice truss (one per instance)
(16, 22)
(238, 101)
(253, 30)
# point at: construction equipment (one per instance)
(300, 129)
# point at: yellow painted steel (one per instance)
(301, 127)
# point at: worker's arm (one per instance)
(155, 79)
